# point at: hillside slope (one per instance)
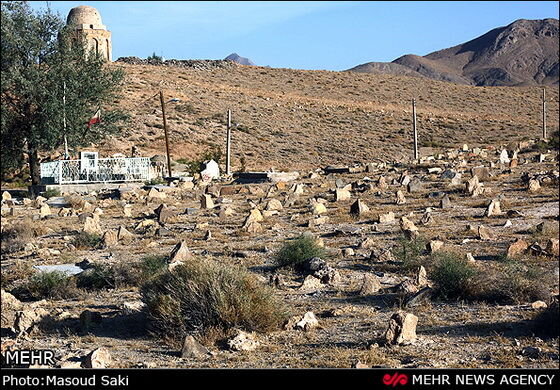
(522, 53)
(292, 119)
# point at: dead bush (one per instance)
(204, 297)
(51, 285)
(109, 276)
(15, 238)
(510, 282)
(20, 271)
(85, 240)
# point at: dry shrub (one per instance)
(51, 285)
(510, 282)
(120, 275)
(205, 297)
(18, 272)
(295, 252)
(411, 253)
(19, 234)
(84, 240)
(453, 275)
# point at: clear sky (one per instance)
(331, 35)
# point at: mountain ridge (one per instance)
(240, 60)
(524, 52)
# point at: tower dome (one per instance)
(85, 22)
(84, 17)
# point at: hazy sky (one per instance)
(303, 35)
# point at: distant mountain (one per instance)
(522, 53)
(240, 60)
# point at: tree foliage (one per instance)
(43, 64)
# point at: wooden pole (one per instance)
(166, 135)
(228, 144)
(414, 130)
(544, 114)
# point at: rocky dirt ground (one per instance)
(352, 317)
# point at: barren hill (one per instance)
(522, 53)
(291, 119)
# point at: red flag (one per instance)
(96, 118)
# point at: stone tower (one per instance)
(86, 22)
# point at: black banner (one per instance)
(379, 378)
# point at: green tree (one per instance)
(42, 63)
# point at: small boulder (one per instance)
(308, 322)
(517, 248)
(91, 226)
(98, 358)
(192, 349)
(534, 186)
(254, 216)
(318, 208)
(445, 202)
(310, 284)
(155, 194)
(537, 305)
(483, 173)
(370, 285)
(401, 329)
(274, 204)
(434, 246)
(552, 247)
(178, 255)
(493, 209)
(387, 217)
(243, 341)
(359, 208)
(206, 201)
(44, 211)
(400, 199)
(342, 194)
(421, 279)
(124, 235)
(110, 238)
(426, 218)
(414, 186)
(485, 233)
(407, 226)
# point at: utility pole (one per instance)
(228, 144)
(414, 130)
(544, 114)
(166, 135)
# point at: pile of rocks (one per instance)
(193, 64)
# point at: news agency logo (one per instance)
(395, 379)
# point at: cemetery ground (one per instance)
(451, 262)
(432, 268)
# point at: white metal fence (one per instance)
(96, 170)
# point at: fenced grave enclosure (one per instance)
(90, 169)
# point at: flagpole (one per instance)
(66, 155)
